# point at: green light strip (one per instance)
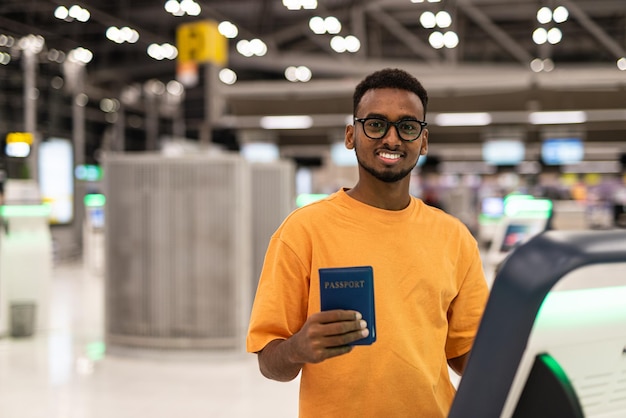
(96, 350)
(8, 211)
(556, 369)
(306, 198)
(94, 200)
(514, 197)
(602, 304)
(528, 208)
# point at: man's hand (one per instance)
(324, 335)
(327, 334)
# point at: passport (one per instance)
(350, 288)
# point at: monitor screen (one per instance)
(514, 235)
(492, 207)
(559, 151)
(260, 152)
(96, 217)
(56, 178)
(342, 156)
(503, 152)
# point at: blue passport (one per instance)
(350, 288)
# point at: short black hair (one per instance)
(392, 78)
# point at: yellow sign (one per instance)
(201, 42)
(25, 137)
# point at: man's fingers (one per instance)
(346, 338)
(339, 328)
(337, 315)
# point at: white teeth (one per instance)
(390, 156)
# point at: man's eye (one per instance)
(376, 124)
(408, 127)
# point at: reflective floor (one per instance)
(65, 371)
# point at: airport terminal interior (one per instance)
(149, 149)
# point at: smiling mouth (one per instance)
(389, 156)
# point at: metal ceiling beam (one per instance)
(594, 29)
(415, 44)
(498, 35)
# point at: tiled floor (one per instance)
(65, 372)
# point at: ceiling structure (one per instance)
(489, 70)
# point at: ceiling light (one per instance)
(332, 25)
(560, 14)
(301, 73)
(189, 7)
(538, 65)
(544, 15)
(338, 44)
(122, 35)
(243, 47)
(61, 12)
(253, 47)
(450, 39)
(172, 6)
(557, 118)
(290, 74)
(555, 35)
(227, 76)
(316, 24)
(286, 122)
(83, 15)
(74, 11)
(463, 119)
(109, 105)
(32, 43)
(428, 20)
(175, 88)
(80, 55)
(548, 65)
(228, 29)
(159, 52)
(258, 47)
(300, 4)
(155, 87)
(443, 19)
(436, 40)
(5, 58)
(7, 41)
(540, 36)
(621, 64)
(352, 43)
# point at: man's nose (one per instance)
(392, 135)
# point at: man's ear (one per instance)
(349, 138)
(424, 147)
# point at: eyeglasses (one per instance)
(408, 129)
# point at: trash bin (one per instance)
(23, 318)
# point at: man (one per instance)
(430, 288)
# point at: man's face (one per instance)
(388, 159)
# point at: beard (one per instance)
(384, 176)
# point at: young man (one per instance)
(430, 288)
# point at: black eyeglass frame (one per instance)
(422, 124)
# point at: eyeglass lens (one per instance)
(408, 130)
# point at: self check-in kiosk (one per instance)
(552, 340)
(25, 260)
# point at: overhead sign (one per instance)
(15, 137)
(201, 42)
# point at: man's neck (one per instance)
(388, 196)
